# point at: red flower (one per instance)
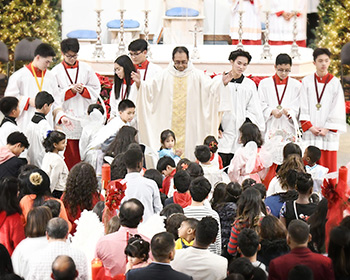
(115, 193)
(347, 107)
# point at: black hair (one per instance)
(195, 170)
(164, 136)
(9, 203)
(44, 50)
(132, 158)
(199, 189)
(247, 183)
(95, 106)
(212, 143)
(248, 242)
(202, 153)
(5, 261)
(261, 188)
(317, 222)
(180, 49)
(298, 230)
(173, 223)
(65, 271)
(162, 244)
(242, 266)
(131, 212)
(345, 222)
(171, 209)
(11, 276)
(118, 167)
(154, 175)
(70, 44)
(250, 132)
(42, 98)
(138, 45)
(98, 209)
(38, 183)
(304, 182)
(283, 58)
(249, 207)
(125, 62)
(259, 273)
(313, 153)
(57, 228)
(235, 276)
(182, 164)
(53, 137)
(319, 51)
(54, 206)
(182, 181)
(125, 136)
(125, 104)
(17, 137)
(137, 248)
(233, 192)
(192, 222)
(24, 172)
(300, 272)
(234, 54)
(291, 149)
(8, 104)
(219, 194)
(206, 231)
(164, 162)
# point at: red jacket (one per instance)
(11, 231)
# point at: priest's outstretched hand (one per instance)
(136, 76)
(227, 77)
(67, 123)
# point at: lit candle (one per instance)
(98, 5)
(122, 4)
(267, 6)
(241, 6)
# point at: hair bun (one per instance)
(36, 179)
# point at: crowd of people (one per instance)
(209, 178)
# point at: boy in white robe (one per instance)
(29, 80)
(322, 114)
(279, 96)
(10, 109)
(38, 127)
(78, 87)
(244, 106)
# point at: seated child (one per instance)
(137, 252)
(215, 158)
(166, 166)
(312, 154)
(38, 127)
(9, 107)
(249, 245)
(168, 141)
(181, 196)
(187, 233)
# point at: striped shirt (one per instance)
(235, 230)
(199, 212)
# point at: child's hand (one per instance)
(178, 152)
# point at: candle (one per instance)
(96, 266)
(106, 175)
(122, 4)
(98, 5)
(241, 6)
(146, 5)
(267, 6)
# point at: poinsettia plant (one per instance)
(106, 87)
(347, 110)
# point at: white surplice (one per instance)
(5, 130)
(204, 100)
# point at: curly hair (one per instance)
(80, 188)
(293, 162)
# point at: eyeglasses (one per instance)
(184, 62)
(135, 54)
(71, 56)
(284, 70)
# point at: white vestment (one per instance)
(281, 29)
(244, 103)
(269, 102)
(76, 106)
(200, 107)
(5, 130)
(251, 22)
(331, 115)
(22, 85)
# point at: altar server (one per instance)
(78, 87)
(244, 106)
(10, 109)
(323, 110)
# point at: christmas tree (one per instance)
(333, 31)
(23, 18)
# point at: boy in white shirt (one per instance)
(9, 106)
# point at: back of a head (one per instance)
(162, 244)
(70, 44)
(206, 231)
(199, 189)
(42, 98)
(212, 143)
(271, 228)
(54, 206)
(44, 50)
(301, 272)
(259, 274)
(242, 266)
(8, 196)
(17, 137)
(8, 104)
(261, 188)
(248, 242)
(304, 183)
(154, 175)
(247, 183)
(298, 231)
(182, 164)
(171, 209)
(339, 250)
(235, 276)
(290, 149)
(131, 212)
(195, 170)
(248, 206)
(250, 132)
(133, 158)
(283, 58)
(63, 268)
(164, 162)
(313, 153)
(182, 181)
(37, 220)
(138, 45)
(233, 191)
(125, 104)
(202, 153)
(293, 162)
(95, 106)
(57, 228)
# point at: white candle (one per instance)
(241, 6)
(267, 6)
(146, 5)
(122, 4)
(98, 5)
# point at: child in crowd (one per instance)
(249, 161)
(166, 166)
(157, 177)
(137, 252)
(181, 196)
(301, 208)
(215, 158)
(168, 141)
(312, 154)
(53, 163)
(38, 127)
(90, 150)
(187, 233)
(10, 109)
(249, 245)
